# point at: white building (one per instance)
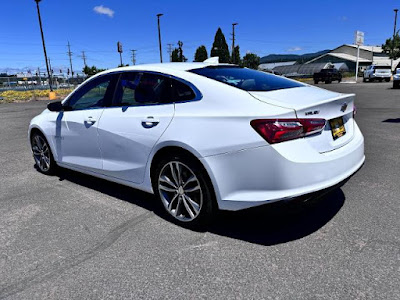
(348, 54)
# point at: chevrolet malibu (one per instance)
(202, 136)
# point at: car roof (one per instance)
(178, 66)
(164, 67)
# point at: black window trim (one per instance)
(114, 81)
(197, 94)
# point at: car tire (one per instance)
(185, 191)
(339, 80)
(328, 81)
(387, 79)
(316, 81)
(364, 79)
(42, 155)
(380, 79)
(396, 84)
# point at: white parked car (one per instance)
(374, 72)
(396, 79)
(202, 137)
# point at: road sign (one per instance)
(359, 38)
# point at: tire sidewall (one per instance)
(53, 165)
(209, 204)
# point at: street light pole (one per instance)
(159, 35)
(233, 42)
(44, 46)
(394, 34)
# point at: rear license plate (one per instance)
(337, 128)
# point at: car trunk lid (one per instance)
(310, 102)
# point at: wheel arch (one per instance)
(187, 151)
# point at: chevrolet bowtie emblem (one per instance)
(344, 107)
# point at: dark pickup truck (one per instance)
(327, 75)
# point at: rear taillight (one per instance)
(280, 130)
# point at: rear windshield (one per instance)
(247, 79)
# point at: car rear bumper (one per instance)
(283, 171)
(381, 76)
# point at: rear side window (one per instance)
(137, 89)
(181, 91)
(247, 79)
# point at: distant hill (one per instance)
(291, 57)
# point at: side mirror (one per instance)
(55, 106)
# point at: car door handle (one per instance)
(150, 122)
(90, 120)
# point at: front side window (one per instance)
(92, 95)
(247, 79)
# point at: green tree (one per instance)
(90, 71)
(220, 47)
(251, 60)
(177, 54)
(392, 47)
(236, 56)
(201, 54)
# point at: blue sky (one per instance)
(265, 27)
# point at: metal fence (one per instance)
(37, 83)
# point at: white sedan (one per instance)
(202, 136)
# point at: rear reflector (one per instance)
(280, 130)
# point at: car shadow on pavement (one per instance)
(279, 222)
(392, 120)
(265, 225)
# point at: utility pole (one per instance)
(394, 34)
(51, 71)
(133, 57)
(170, 51)
(44, 45)
(84, 58)
(233, 42)
(159, 35)
(40, 78)
(70, 59)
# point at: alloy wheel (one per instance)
(41, 153)
(180, 191)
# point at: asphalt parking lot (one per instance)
(72, 236)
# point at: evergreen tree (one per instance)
(251, 60)
(175, 55)
(236, 56)
(201, 54)
(220, 47)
